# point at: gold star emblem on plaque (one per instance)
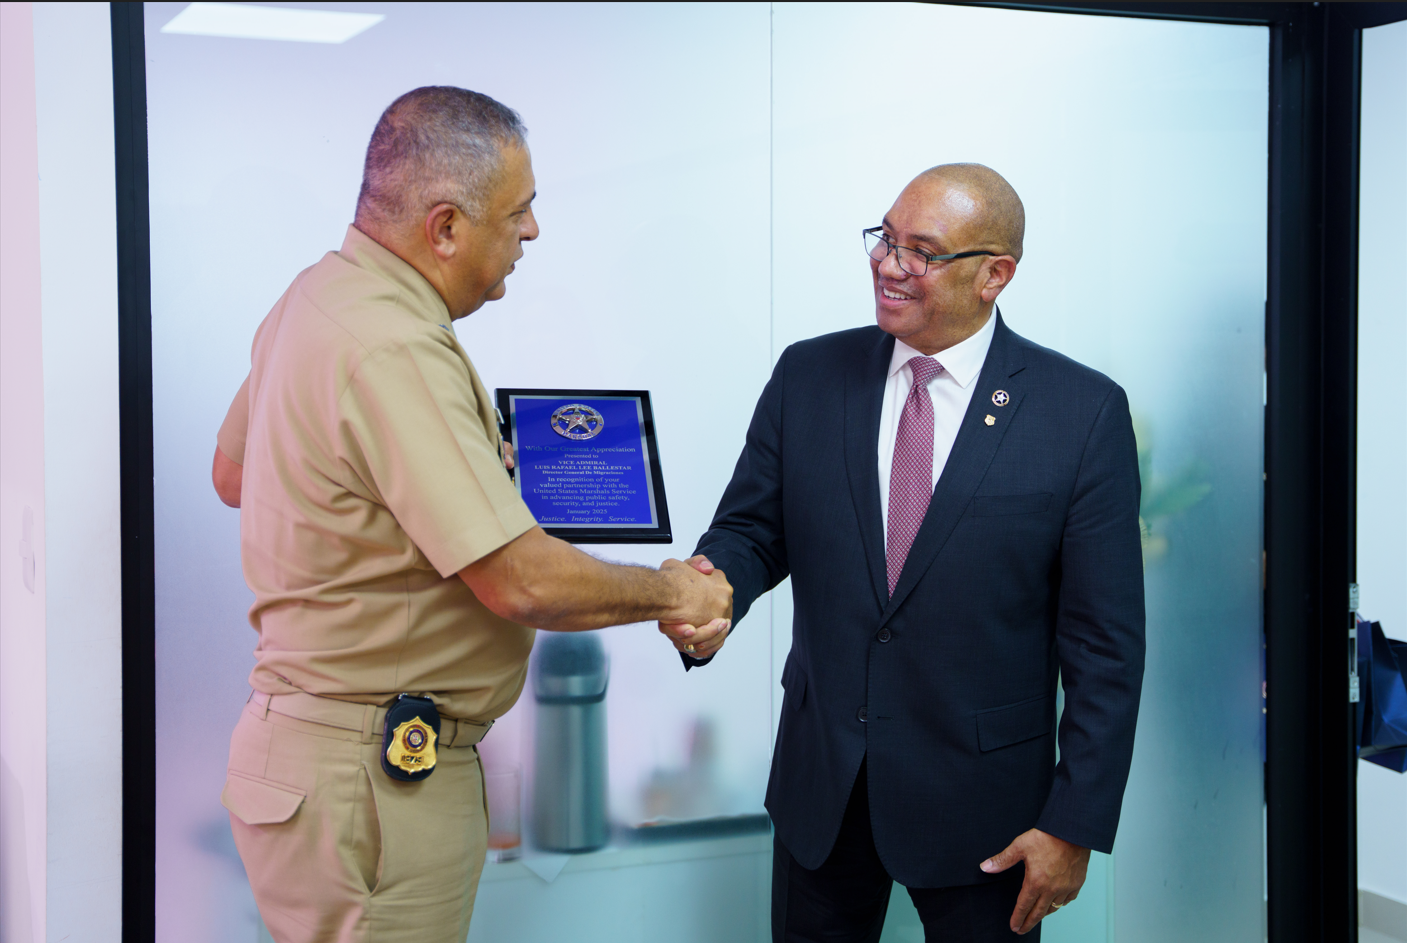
(412, 747)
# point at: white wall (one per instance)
(60, 645)
(1382, 420)
(78, 265)
(22, 591)
(82, 742)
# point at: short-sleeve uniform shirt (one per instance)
(372, 475)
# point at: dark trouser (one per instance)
(845, 899)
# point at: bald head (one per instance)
(972, 221)
(995, 218)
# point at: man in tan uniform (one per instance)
(388, 551)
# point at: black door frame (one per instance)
(1310, 440)
(136, 469)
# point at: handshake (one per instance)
(546, 583)
(705, 610)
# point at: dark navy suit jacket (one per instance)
(1027, 564)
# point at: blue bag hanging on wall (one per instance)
(1382, 702)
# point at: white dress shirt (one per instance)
(951, 391)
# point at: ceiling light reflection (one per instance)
(246, 21)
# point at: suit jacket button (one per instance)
(862, 715)
(884, 635)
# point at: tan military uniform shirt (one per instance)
(372, 475)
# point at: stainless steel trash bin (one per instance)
(570, 674)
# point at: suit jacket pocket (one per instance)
(999, 505)
(794, 682)
(257, 801)
(1015, 723)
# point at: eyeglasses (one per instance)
(914, 261)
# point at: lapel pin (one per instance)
(990, 420)
(1000, 398)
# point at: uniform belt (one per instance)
(368, 719)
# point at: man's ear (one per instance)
(440, 224)
(999, 273)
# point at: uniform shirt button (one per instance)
(884, 635)
(863, 715)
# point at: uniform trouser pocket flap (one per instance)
(256, 801)
(1003, 726)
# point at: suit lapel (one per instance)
(864, 395)
(972, 453)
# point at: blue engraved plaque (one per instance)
(587, 465)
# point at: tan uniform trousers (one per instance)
(335, 849)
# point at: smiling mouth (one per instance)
(895, 296)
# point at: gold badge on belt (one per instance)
(408, 738)
(412, 747)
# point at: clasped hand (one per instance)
(701, 639)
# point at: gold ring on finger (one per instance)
(1056, 906)
(689, 649)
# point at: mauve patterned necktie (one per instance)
(911, 476)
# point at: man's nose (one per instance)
(529, 231)
(889, 266)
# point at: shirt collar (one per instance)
(418, 296)
(962, 361)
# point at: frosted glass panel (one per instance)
(1138, 148)
(1382, 429)
(648, 126)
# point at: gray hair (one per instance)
(437, 144)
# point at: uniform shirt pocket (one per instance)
(1015, 723)
(257, 801)
(1000, 505)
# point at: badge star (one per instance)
(579, 421)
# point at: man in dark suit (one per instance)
(957, 508)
